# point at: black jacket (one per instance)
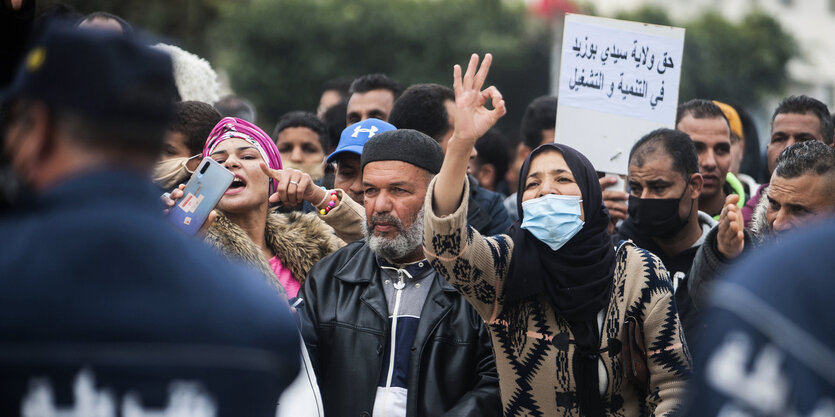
(345, 320)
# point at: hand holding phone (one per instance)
(200, 196)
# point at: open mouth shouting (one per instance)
(237, 186)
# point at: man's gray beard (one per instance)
(406, 241)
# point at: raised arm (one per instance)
(472, 120)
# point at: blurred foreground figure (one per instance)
(106, 309)
(770, 349)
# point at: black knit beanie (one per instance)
(405, 145)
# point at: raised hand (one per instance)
(294, 187)
(615, 201)
(730, 237)
(472, 119)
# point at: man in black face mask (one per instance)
(664, 215)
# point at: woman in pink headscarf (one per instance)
(286, 245)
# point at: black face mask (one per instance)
(658, 217)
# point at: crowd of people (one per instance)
(393, 253)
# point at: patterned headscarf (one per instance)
(234, 128)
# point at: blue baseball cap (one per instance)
(99, 74)
(353, 138)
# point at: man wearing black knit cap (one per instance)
(387, 334)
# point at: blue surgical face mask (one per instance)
(553, 219)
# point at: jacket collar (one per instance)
(362, 266)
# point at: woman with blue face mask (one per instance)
(556, 294)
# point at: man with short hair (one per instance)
(387, 334)
(710, 131)
(796, 119)
(104, 306)
(538, 127)
(372, 95)
(430, 109)
(770, 348)
(334, 91)
(802, 189)
(664, 216)
(491, 161)
(193, 122)
(348, 175)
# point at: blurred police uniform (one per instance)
(105, 308)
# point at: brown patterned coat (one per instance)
(534, 372)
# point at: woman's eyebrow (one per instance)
(552, 172)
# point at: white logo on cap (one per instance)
(371, 131)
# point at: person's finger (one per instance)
(481, 75)
(494, 96)
(607, 181)
(210, 219)
(612, 195)
(272, 173)
(303, 189)
(731, 199)
(281, 188)
(470, 74)
(499, 109)
(16, 4)
(617, 210)
(293, 190)
(456, 80)
(618, 214)
(732, 225)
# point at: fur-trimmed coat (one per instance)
(299, 240)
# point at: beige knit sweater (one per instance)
(535, 375)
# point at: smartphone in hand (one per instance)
(202, 193)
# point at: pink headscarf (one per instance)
(234, 128)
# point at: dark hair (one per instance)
(127, 29)
(808, 157)
(303, 119)
(195, 119)
(421, 107)
(368, 82)
(340, 85)
(125, 138)
(493, 148)
(234, 106)
(752, 161)
(675, 143)
(700, 109)
(334, 118)
(804, 104)
(541, 114)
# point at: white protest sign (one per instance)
(618, 81)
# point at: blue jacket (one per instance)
(101, 298)
(769, 347)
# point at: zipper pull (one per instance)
(401, 283)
